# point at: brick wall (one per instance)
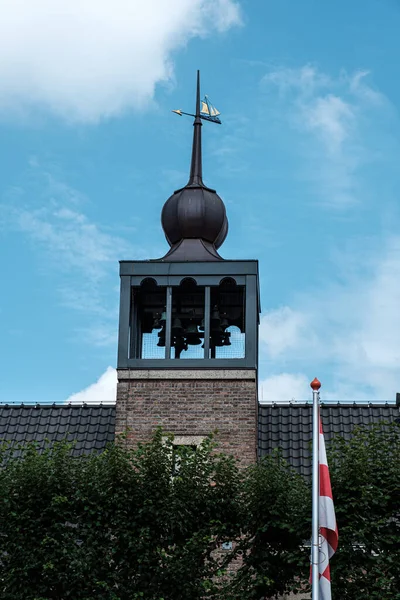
(193, 403)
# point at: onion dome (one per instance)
(194, 217)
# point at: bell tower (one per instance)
(188, 327)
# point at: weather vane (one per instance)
(204, 109)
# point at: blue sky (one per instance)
(306, 161)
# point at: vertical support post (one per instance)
(207, 309)
(251, 319)
(315, 385)
(135, 333)
(124, 319)
(168, 324)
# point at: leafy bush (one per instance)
(276, 506)
(115, 525)
(365, 474)
(128, 525)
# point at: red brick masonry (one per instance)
(191, 403)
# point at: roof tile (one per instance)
(58, 422)
(289, 427)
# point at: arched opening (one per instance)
(187, 320)
(227, 320)
(147, 318)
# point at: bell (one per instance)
(227, 341)
(179, 344)
(217, 339)
(176, 327)
(201, 326)
(163, 317)
(192, 335)
(193, 340)
(216, 330)
(215, 318)
(203, 343)
(224, 323)
(161, 338)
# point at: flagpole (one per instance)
(315, 385)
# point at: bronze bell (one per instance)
(217, 339)
(161, 338)
(177, 328)
(216, 330)
(224, 323)
(227, 341)
(215, 317)
(179, 344)
(192, 335)
(163, 317)
(209, 343)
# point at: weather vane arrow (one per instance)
(204, 109)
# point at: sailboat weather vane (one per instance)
(204, 109)
(207, 112)
(194, 217)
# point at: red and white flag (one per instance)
(327, 521)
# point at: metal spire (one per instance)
(206, 113)
(194, 217)
(196, 167)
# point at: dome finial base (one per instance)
(188, 250)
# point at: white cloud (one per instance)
(82, 251)
(90, 59)
(70, 235)
(103, 391)
(285, 387)
(307, 80)
(281, 329)
(367, 339)
(361, 89)
(80, 254)
(331, 118)
(352, 332)
(327, 115)
(101, 334)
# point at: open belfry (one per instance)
(188, 326)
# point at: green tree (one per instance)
(149, 523)
(276, 521)
(118, 525)
(365, 475)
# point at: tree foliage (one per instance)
(116, 525)
(276, 505)
(150, 523)
(365, 475)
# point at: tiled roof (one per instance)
(90, 427)
(289, 427)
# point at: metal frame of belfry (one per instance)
(170, 276)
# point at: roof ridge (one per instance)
(55, 405)
(332, 403)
